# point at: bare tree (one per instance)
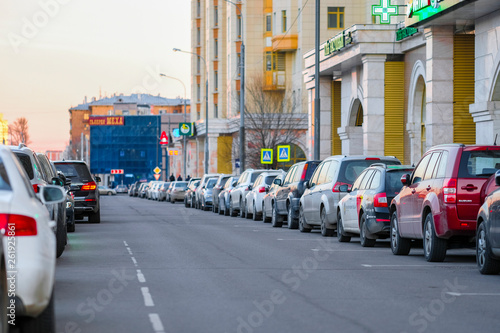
(18, 132)
(271, 119)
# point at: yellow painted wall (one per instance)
(224, 161)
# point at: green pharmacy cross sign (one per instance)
(385, 10)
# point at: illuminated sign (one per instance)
(385, 10)
(173, 152)
(420, 10)
(338, 42)
(106, 121)
(405, 33)
(117, 171)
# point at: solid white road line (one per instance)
(297, 239)
(148, 300)
(428, 265)
(473, 294)
(155, 320)
(140, 276)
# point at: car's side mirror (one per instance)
(405, 179)
(497, 178)
(51, 194)
(57, 181)
(277, 182)
(249, 187)
(344, 188)
(309, 184)
(97, 179)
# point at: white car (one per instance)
(29, 245)
(254, 198)
(103, 190)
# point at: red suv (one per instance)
(441, 198)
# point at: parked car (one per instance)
(254, 198)
(441, 199)
(221, 181)
(203, 182)
(149, 190)
(27, 224)
(39, 178)
(189, 197)
(70, 202)
(178, 191)
(269, 198)
(206, 194)
(103, 190)
(121, 189)
(84, 188)
(224, 195)
(155, 190)
(131, 190)
(289, 193)
(162, 191)
(168, 191)
(141, 191)
(238, 194)
(137, 184)
(364, 211)
(318, 204)
(488, 233)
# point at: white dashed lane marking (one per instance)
(140, 276)
(155, 320)
(148, 300)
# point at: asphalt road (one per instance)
(156, 267)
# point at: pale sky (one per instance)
(53, 53)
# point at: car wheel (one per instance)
(44, 323)
(434, 247)
(276, 220)
(185, 202)
(247, 214)
(242, 209)
(265, 218)
(172, 201)
(363, 233)
(486, 263)
(70, 223)
(61, 235)
(303, 226)
(292, 222)
(399, 245)
(109, 193)
(232, 212)
(341, 237)
(95, 217)
(255, 216)
(324, 230)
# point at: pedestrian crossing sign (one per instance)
(266, 156)
(283, 153)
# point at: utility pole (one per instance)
(317, 109)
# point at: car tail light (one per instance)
(36, 188)
(303, 177)
(18, 225)
(372, 159)
(90, 186)
(380, 200)
(450, 191)
(262, 189)
(338, 184)
(90, 200)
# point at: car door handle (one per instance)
(413, 191)
(469, 187)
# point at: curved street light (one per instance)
(206, 104)
(185, 120)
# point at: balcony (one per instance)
(285, 43)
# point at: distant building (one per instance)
(54, 155)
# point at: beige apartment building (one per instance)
(276, 36)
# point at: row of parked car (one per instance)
(450, 199)
(159, 190)
(39, 203)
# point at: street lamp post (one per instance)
(185, 120)
(242, 92)
(206, 105)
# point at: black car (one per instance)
(189, 197)
(84, 189)
(288, 195)
(488, 233)
(364, 210)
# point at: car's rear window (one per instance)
(26, 163)
(211, 183)
(254, 176)
(269, 180)
(181, 185)
(310, 170)
(479, 163)
(4, 178)
(75, 171)
(393, 183)
(351, 169)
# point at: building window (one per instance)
(198, 36)
(269, 62)
(125, 112)
(216, 110)
(238, 26)
(86, 116)
(198, 8)
(216, 80)
(335, 17)
(198, 92)
(283, 21)
(268, 23)
(216, 16)
(198, 65)
(238, 63)
(216, 48)
(110, 112)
